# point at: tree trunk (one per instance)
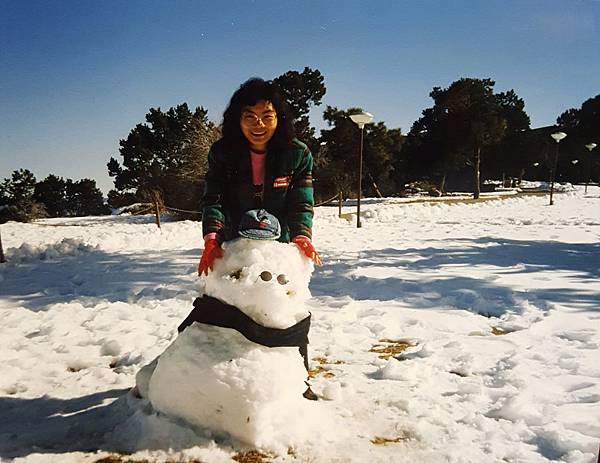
(521, 175)
(477, 160)
(157, 211)
(443, 184)
(375, 186)
(2, 259)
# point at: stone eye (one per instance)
(282, 279)
(266, 276)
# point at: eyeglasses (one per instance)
(268, 119)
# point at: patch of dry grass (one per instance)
(119, 458)
(498, 331)
(320, 369)
(377, 440)
(390, 348)
(316, 371)
(252, 456)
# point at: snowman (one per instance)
(239, 364)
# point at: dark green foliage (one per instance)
(467, 118)
(582, 127)
(518, 150)
(68, 198)
(117, 199)
(428, 152)
(84, 198)
(337, 159)
(302, 90)
(52, 193)
(24, 199)
(167, 154)
(17, 199)
(474, 120)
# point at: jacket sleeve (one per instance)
(213, 217)
(300, 198)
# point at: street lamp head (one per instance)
(591, 146)
(558, 136)
(361, 118)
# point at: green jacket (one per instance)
(287, 194)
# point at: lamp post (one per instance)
(360, 119)
(590, 147)
(558, 136)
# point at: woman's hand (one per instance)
(212, 252)
(307, 248)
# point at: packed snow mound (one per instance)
(266, 280)
(215, 379)
(66, 247)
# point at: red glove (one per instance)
(307, 248)
(212, 252)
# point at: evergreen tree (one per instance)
(582, 125)
(83, 198)
(302, 90)
(167, 155)
(430, 151)
(466, 118)
(516, 152)
(337, 158)
(17, 194)
(51, 192)
(475, 120)
(117, 199)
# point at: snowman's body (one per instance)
(214, 377)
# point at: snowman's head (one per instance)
(267, 280)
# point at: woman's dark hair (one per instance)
(251, 92)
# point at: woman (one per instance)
(257, 164)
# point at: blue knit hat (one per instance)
(258, 224)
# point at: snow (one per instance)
(441, 331)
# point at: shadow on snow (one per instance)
(97, 276)
(50, 425)
(445, 283)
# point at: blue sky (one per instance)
(77, 76)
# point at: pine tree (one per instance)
(302, 90)
(466, 118)
(17, 193)
(166, 155)
(83, 198)
(337, 160)
(51, 192)
(582, 125)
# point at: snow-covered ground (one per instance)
(497, 304)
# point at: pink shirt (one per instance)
(258, 167)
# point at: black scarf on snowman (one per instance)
(211, 311)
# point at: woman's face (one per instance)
(258, 124)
